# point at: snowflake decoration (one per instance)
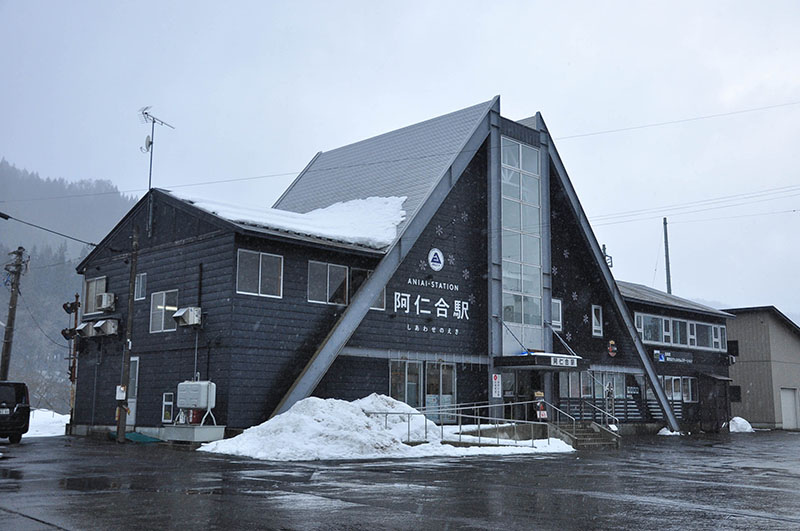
(465, 274)
(554, 270)
(575, 296)
(471, 298)
(423, 265)
(439, 230)
(569, 336)
(451, 259)
(585, 319)
(566, 253)
(464, 217)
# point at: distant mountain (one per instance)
(87, 210)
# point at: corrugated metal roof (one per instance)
(649, 295)
(406, 162)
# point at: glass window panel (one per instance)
(133, 379)
(723, 337)
(532, 311)
(357, 277)
(140, 290)
(510, 183)
(530, 189)
(619, 385)
(337, 284)
(512, 335)
(653, 330)
(532, 337)
(512, 248)
(679, 336)
(586, 385)
(530, 219)
(531, 250)
(574, 384)
(512, 308)
(563, 385)
(599, 388)
(530, 159)
(397, 374)
(414, 384)
(531, 280)
(432, 379)
(511, 214)
(271, 275)
(170, 307)
(597, 321)
(317, 282)
(448, 379)
(510, 153)
(512, 276)
(703, 332)
(555, 314)
(156, 311)
(247, 272)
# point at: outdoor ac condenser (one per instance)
(106, 327)
(188, 316)
(105, 301)
(85, 329)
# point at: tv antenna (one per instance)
(146, 117)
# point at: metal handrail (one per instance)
(562, 412)
(603, 411)
(462, 404)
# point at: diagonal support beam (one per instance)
(608, 279)
(351, 318)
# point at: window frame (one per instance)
(86, 298)
(140, 287)
(597, 326)
(668, 332)
(351, 291)
(328, 284)
(164, 311)
(556, 324)
(164, 404)
(260, 254)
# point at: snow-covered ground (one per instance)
(46, 423)
(370, 428)
(740, 425)
(667, 431)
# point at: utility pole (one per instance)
(122, 404)
(15, 269)
(666, 259)
(71, 335)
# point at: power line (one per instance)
(24, 302)
(5, 216)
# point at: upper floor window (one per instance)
(327, 283)
(659, 330)
(597, 320)
(163, 304)
(140, 287)
(555, 314)
(259, 274)
(93, 287)
(357, 278)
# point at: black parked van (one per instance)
(15, 410)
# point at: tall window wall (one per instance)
(522, 248)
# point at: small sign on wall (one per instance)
(121, 392)
(497, 386)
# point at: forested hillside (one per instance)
(86, 210)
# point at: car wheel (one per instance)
(15, 439)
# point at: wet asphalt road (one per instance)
(741, 481)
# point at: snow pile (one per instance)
(667, 431)
(371, 222)
(335, 429)
(740, 425)
(46, 423)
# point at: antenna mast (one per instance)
(148, 147)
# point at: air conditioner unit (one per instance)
(86, 329)
(188, 316)
(106, 327)
(105, 301)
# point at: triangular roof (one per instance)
(648, 295)
(791, 325)
(407, 162)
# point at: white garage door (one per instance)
(789, 408)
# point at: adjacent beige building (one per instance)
(767, 370)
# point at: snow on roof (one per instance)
(370, 428)
(370, 222)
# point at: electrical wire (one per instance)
(7, 216)
(37, 323)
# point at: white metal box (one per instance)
(85, 329)
(197, 395)
(106, 327)
(188, 316)
(105, 301)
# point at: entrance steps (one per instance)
(586, 435)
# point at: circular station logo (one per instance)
(436, 259)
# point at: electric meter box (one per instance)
(197, 395)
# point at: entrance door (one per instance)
(789, 408)
(133, 387)
(440, 388)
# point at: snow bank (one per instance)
(740, 425)
(667, 431)
(371, 222)
(316, 429)
(46, 423)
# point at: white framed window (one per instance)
(92, 288)
(667, 331)
(140, 287)
(692, 336)
(689, 389)
(597, 320)
(555, 314)
(716, 338)
(405, 381)
(679, 332)
(163, 304)
(259, 274)
(359, 276)
(658, 330)
(167, 408)
(327, 283)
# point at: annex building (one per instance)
(477, 261)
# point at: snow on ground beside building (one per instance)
(46, 423)
(316, 428)
(371, 222)
(667, 431)
(740, 425)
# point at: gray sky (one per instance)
(256, 88)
